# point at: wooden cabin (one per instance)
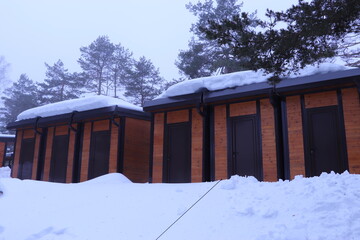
(73, 145)
(303, 125)
(6, 150)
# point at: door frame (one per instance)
(258, 147)
(340, 135)
(166, 149)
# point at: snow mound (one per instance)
(7, 135)
(5, 172)
(236, 79)
(80, 104)
(324, 207)
(111, 178)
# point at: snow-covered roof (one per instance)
(80, 104)
(214, 83)
(7, 135)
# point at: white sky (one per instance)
(39, 31)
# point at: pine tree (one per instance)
(144, 82)
(4, 66)
(22, 95)
(204, 56)
(314, 31)
(59, 84)
(121, 64)
(95, 61)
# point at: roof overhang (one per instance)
(256, 89)
(106, 112)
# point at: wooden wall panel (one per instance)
(2, 153)
(351, 108)
(102, 125)
(15, 168)
(137, 150)
(321, 99)
(36, 156)
(114, 147)
(70, 158)
(196, 146)
(268, 141)
(158, 147)
(242, 108)
(295, 136)
(85, 152)
(29, 133)
(177, 116)
(48, 151)
(61, 130)
(220, 130)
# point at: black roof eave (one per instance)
(286, 85)
(176, 101)
(80, 116)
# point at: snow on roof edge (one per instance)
(237, 79)
(79, 104)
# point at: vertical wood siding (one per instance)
(220, 130)
(2, 153)
(268, 141)
(85, 152)
(196, 147)
(15, 168)
(243, 108)
(48, 151)
(136, 149)
(295, 136)
(321, 99)
(36, 155)
(114, 139)
(71, 152)
(158, 147)
(351, 108)
(177, 116)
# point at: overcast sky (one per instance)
(38, 31)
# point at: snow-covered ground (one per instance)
(111, 207)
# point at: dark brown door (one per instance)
(26, 158)
(59, 158)
(245, 148)
(99, 154)
(324, 151)
(177, 162)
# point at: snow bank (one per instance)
(325, 207)
(236, 79)
(111, 178)
(5, 172)
(80, 104)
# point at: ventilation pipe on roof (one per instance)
(36, 126)
(71, 121)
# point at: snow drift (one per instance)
(325, 207)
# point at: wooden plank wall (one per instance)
(36, 155)
(137, 149)
(268, 141)
(196, 147)
(295, 136)
(158, 147)
(85, 152)
(114, 139)
(351, 108)
(71, 155)
(15, 168)
(48, 151)
(220, 131)
(2, 153)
